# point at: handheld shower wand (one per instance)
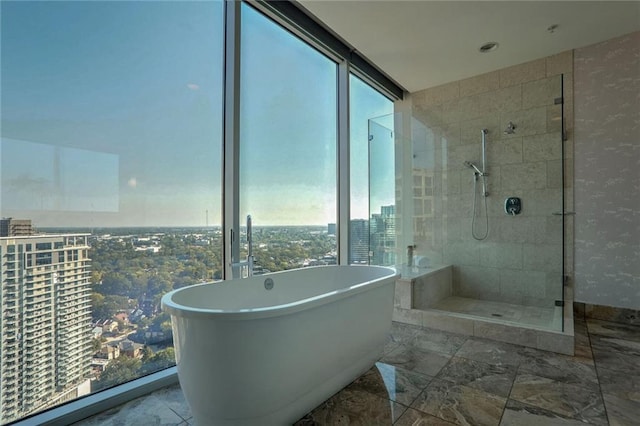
(474, 167)
(482, 174)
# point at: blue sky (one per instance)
(131, 94)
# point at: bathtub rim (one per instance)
(183, 311)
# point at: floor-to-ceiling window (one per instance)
(288, 146)
(111, 175)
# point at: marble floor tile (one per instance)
(616, 354)
(582, 349)
(452, 379)
(418, 360)
(622, 412)
(579, 325)
(173, 397)
(479, 375)
(413, 417)
(612, 329)
(460, 404)
(581, 334)
(354, 407)
(491, 352)
(143, 411)
(620, 384)
(561, 368)
(400, 334)
(391, 382)
(519, 414)
(438, 341)
(568, 400)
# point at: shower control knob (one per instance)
(512, 206)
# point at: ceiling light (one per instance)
(488, 47)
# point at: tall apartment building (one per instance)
(359, 241)
(45, 297)
(10, 227)
(383, 236)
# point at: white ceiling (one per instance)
(422, 44)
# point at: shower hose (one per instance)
(486, 213)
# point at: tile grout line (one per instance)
(432, 378)
(595, 366)
(407, 407)
(517, 369)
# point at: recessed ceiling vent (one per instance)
(488, 47)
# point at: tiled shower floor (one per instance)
(546, 318)
(430, 377)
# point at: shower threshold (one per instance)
(527, 316)
(545, 328)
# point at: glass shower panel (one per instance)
(364, 102)
(555, 155)
(382, 192)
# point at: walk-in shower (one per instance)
(505, 184)
(480, 174)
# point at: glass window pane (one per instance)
(288, 135)
(110, 155)
(365, 103)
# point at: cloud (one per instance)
(193, 86)
(133, 182)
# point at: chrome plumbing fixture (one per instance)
(511, 129)
(249, 260)
(480, 173)
(249, 246)
(410, 254)
(474, 167)
(484, 156)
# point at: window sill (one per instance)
(90, 405)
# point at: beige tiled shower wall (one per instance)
(521, 259)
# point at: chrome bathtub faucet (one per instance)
(248, 263)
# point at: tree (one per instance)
(119, 370)
(96, 344)
(159, 361)
(105, 307)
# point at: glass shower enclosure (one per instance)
(383, 221)
(498, 222)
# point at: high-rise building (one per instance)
(383, 236)
(359, 241)
(45, 340)
(10, 227)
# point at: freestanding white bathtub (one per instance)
(251, 356)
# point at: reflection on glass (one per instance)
(364, 103)
(382, 192)
(110, 158)
(38, 176)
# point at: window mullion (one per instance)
(344, 211)
(231, 148)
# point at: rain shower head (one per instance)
(473, 166)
